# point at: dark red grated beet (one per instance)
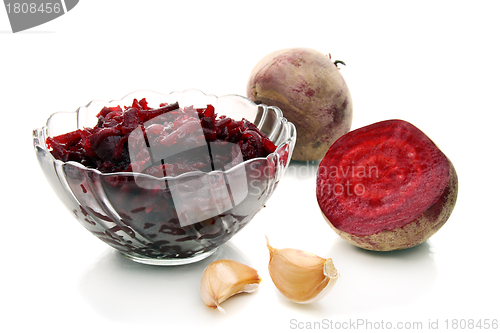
(106, 146)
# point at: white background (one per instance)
(435, 64)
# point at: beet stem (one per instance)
(339, 62)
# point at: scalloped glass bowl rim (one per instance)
(272, 155)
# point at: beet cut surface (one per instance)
(386, 186)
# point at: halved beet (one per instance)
(386, 186)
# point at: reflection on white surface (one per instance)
(122, 290)
(374, 280)
(369, 281)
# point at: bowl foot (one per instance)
(167, 261)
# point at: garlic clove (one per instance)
(225, 278)
(300, 276)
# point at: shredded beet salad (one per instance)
(107, 146)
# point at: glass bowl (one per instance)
(169, 220)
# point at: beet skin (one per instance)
(308, 87)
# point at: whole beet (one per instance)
(308, 87)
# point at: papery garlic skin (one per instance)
(225, 278)
(300, 276)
